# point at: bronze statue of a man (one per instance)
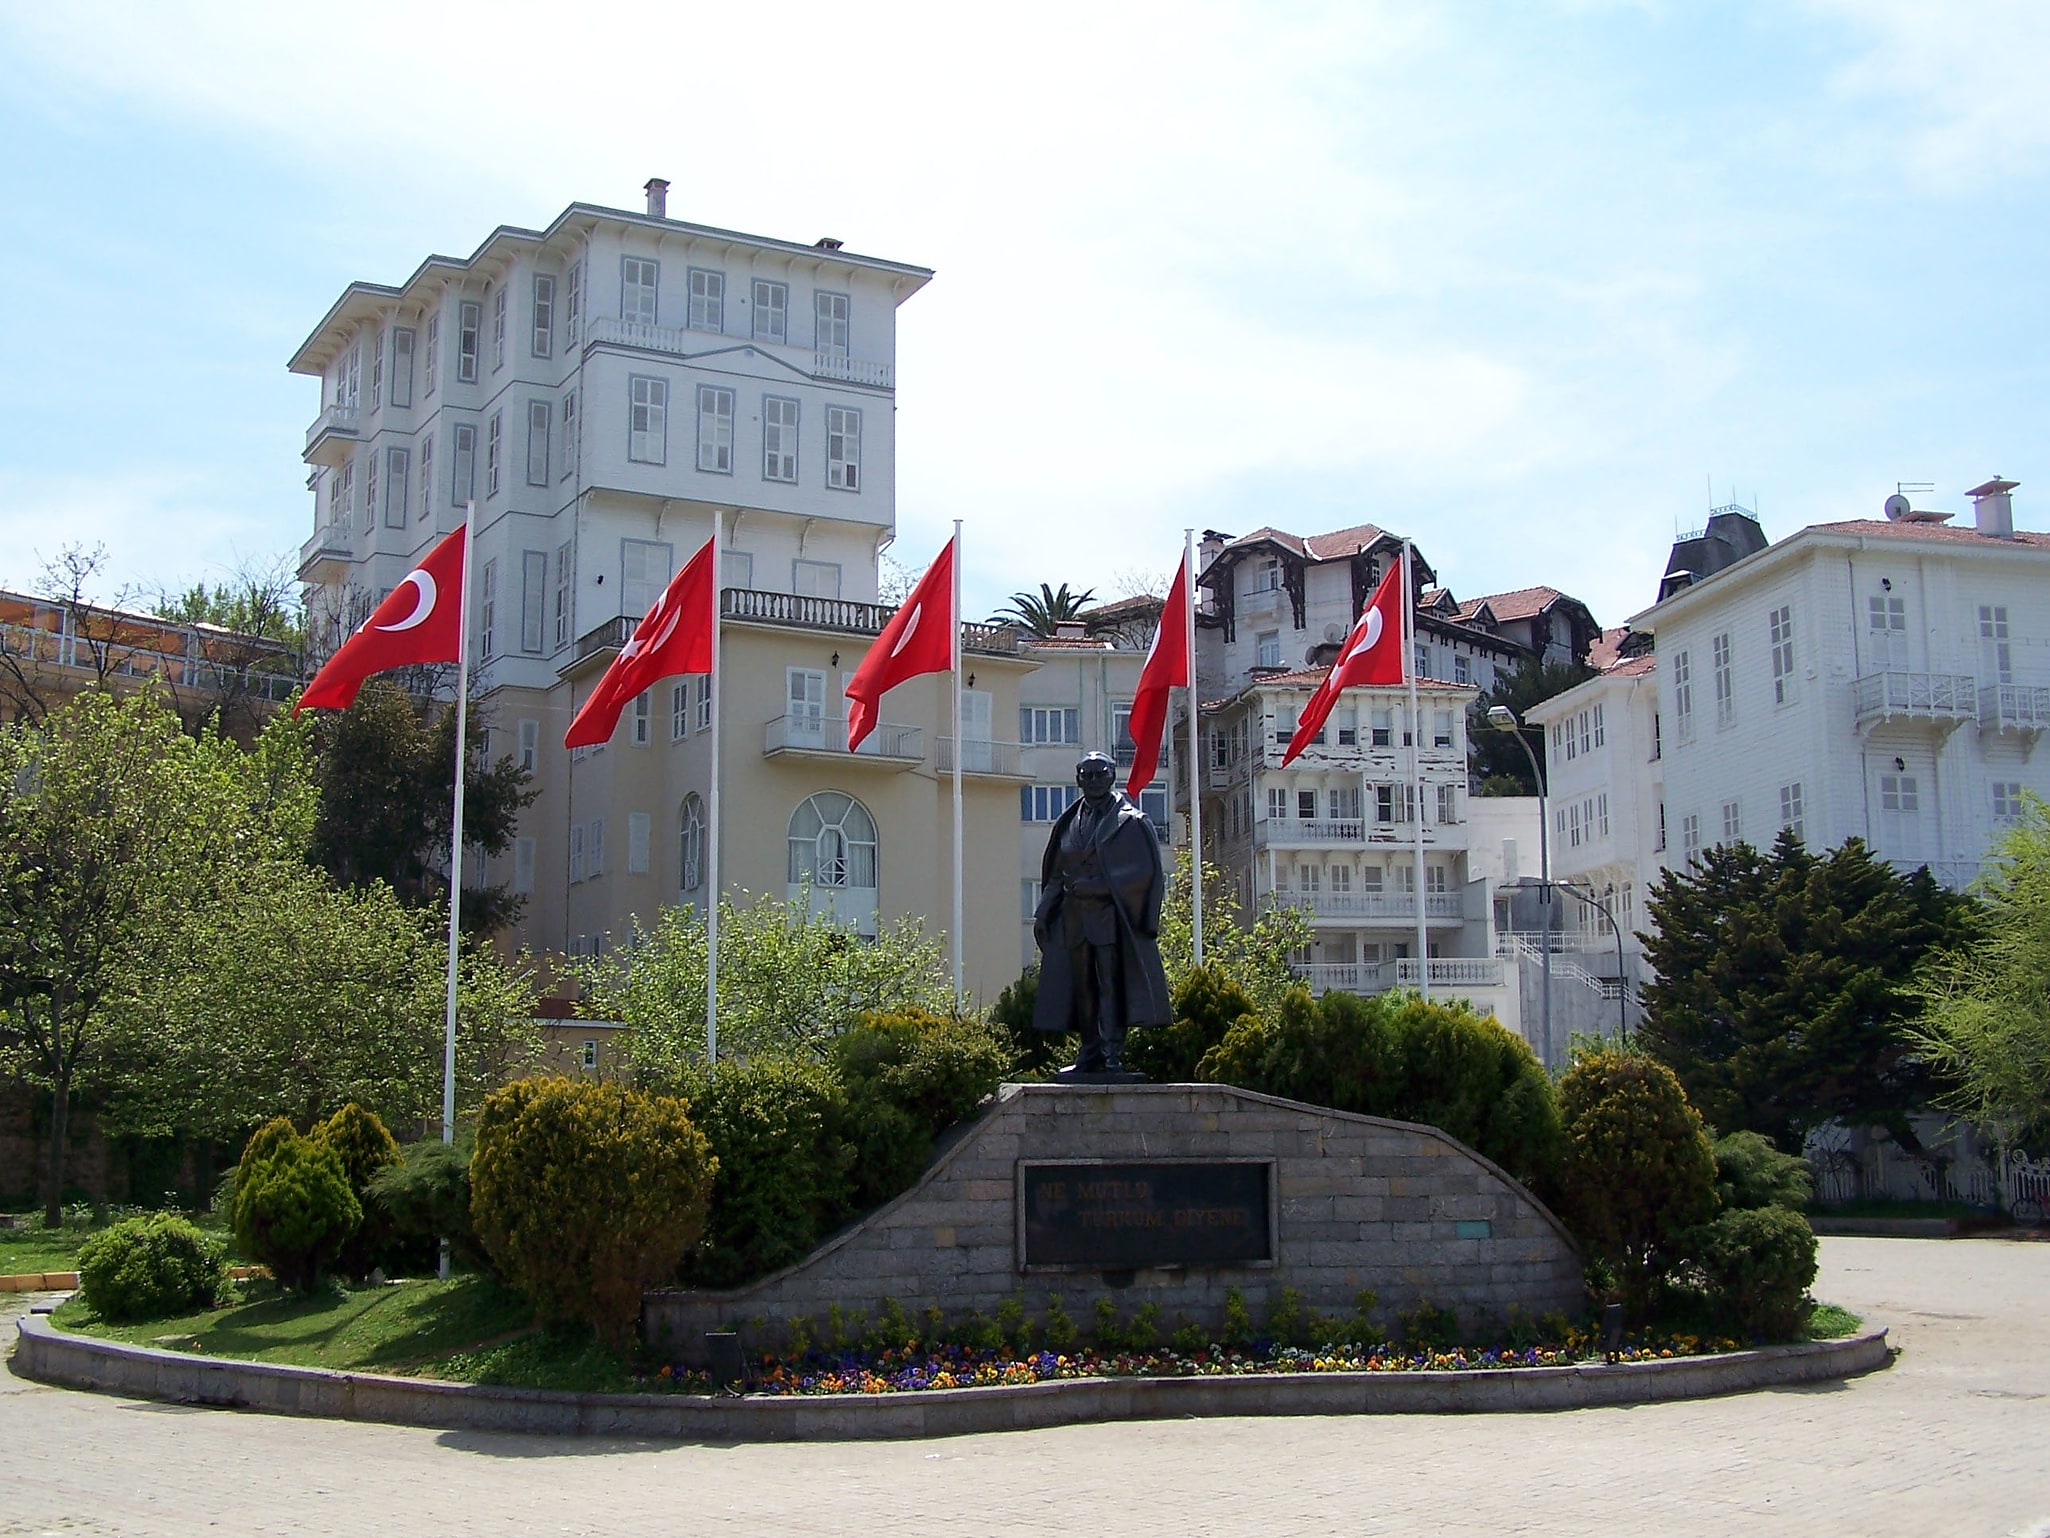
(1098, 922)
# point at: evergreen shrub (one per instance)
(908, 1077)
(366, 1148)
(294, 1210)
(1755, 1266)
(1207, 1003)
(586, 1194)
(151, 1267)
(423, 1199)
(1750, 1172)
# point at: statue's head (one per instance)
(1096, 773)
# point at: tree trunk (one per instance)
(60, 1135)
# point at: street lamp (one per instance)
(1503, 719)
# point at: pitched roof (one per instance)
(1522, 603)
(1942, 533)
(1065, 643)
(1607, 650)
(1335, 546)
(1138, 605)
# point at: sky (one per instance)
(1536, 284)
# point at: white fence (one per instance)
(1954, 1166)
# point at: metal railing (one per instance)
(1370, 905)
(2014, 707)
(828, 734)
(1379, 977)
(611, 330)
(847, 617)
(980, 756)
(1940, 697)
(119, 659)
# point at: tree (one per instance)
(386, 779)
(1985, 1016)
(1255, 958)
(1495, 763)
(1043, 613)
(1782, 991)
(255, 599)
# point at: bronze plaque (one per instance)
(1087, 1216)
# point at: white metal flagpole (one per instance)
(455, 847)
(1195, 748)
(960, 752)
(718, 704)
(1416, 770)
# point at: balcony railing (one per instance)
(607, 329)
(2014, 707)
(613, 633)
(1401, 906)
(833, 365)
(846, 617)
(270, 673)
(889, 741)
(329, 547)
(1946, 700)
(982, 757)
(1379, 977)
(333, 435)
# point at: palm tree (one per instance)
(1043, 614)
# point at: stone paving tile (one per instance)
(1954, 1441)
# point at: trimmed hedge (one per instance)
(151, 1267)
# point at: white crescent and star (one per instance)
(423, 584)
(910, 629)
(1368, 641)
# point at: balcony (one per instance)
(2022, 708)
(841, 616)
(1366, 977)
(333, 436)
(888, 744)
(994, 760)
(327, 556)
(1945, 701)
(1288, 833)
(1356, 907)
(611, 331)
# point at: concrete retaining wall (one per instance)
(1363, 1203)
(48, 1355)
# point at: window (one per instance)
(348, 374)
(1601, 806)
(1683, 696)
(1049, 723)
(433, 349)
(539, 415)
(594, 849)
(1563, 733)
(1268, 649)
(843, 448)
(1045, 803)
(427, 478)
(376, 370)
(1348, 721)
(638, 832)
(397, 487)
(1306, 805)
(1277, 803)
(1780, 636)
(1733, 822)
(341, 494)
(772, 311)
(1423, 660)
(1441, 729)
(830, 312)
(704, 689)
(647, 424)
(2007, 800)
(1341, 880)
(523, 865)
(1573, 824)
(544, 316)
(562, 595)
(707, 300)
(1383, 728)
(590, 1053)
(402, 366)
(1725, 691)
(1267, 575)
(736, 568)
(569, 433)
(1886, 630)
(487, 611)
(1308, 879)
(779, 438)
(1661, 844)
(1435, 880)
(637, 281)
(533, 596)
(1448, 803)
(370, 491)
(804, 706)
(644, 571)
(530, 746)
(498, 320)
(832, 842)
(573, 304)
(691, 844)
(1462, 668)
(1601, 735)
(1993, 644)
(1899, 793)
(1690, 835)
(1344, 803)
(715, 430)
(1657, 736)
(469, 320)
(1790, 808)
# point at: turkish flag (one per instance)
(420, 620)
(1372, 654)
(1167, 667)
(918, 639)
(675, 636)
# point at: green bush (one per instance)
(1750, 1172)
(294, 1210)
(423, 1199)
(267, 1139)
(776, 1131)
(1638, 1169)
(586, 1195)
(1755, 1265)
(365, 1148)
(1207, 1004)
(151, 1267)
(1034, 1054)
(908, 1077)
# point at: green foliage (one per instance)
(790, 981)
(151, 1267)
(908, 1077)
(1829, 1321)
(1750, 1172)
(365, 1147)
(1034, 1054)
(1984, 1021)
(1237, 1329)
(1056, 1327)
(1285, 1317)
(294, 1210)
(1110, 1330)
(1638, 1169)
(586, 1194)
(1426, 1326)
(425, 1198)
(1207, 1003)
(1254, 957)
(1755, 1266)
(1044, 612)
(1781, 986)
(268, 1139)
(1494, 761)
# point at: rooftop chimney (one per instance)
(829, 243)
(1993, 508)
(658, 198)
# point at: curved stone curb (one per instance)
(48, 1355)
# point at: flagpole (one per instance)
(1195, 748)
(1416, 769)
(960, 752)
(455, 848)
(718, 701)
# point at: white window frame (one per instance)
(690, 844)
(779, 438)
(638, 592)
(843, 448)
(704, 698)
(2008, 804)
(1267, 649)
(647, 423)
(540, 416)
(1995, 644)
(1683, 697)
(576, 852)
(542, 333)
(594, 850)
(771, 300)
(487, 611)
(533, 599)
(564, 593)
(643, 715)
(568, 456)
(501, 310)
(469, 337)
(1042, 724)
(639, 836)
(427, 477)
(679, 710)
(640, 287)
(433, 360)
(376, 369)
(715, 430)
(529, 740)
(1724, 674)
(494, 453)
(832, 323)
(1733, 822)
(707, 299)
(1791, 809)
(573, 304)
(1780, 637)
(523, 866)
(398, 487)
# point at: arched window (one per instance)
(832, 843)
(691, 844)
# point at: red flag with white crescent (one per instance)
(918, 639)
(1371, 655)
(420, 620)
(1167, 667)
(675, 636)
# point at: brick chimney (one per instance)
(658, 198)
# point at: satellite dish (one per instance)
(1333, 634)
(1898, 507)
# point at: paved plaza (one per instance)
(1954, 1440)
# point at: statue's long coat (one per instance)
(1130, 853)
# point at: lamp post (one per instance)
(1503, 719)
(1622, 999)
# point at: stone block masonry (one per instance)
(1360, 1203)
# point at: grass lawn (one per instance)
(465, 1330)
(36, 1248)
(1829, 1322)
